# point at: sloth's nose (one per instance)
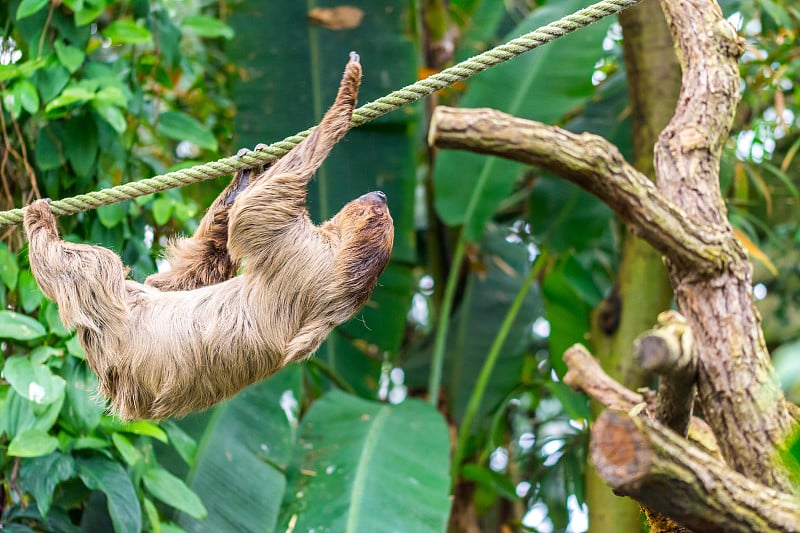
(380, 196)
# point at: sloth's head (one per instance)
(366, 225)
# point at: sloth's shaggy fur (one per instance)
(203, 335)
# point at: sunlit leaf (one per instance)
(181, 127)
(162, 210)
(33, 382)
(112, 214)
(138, 427)
(29, 7)
(205, 26)
(127, 32)
(111, 114)
(174, 492)
(26, 93)
(32, 443)
(19, 327)
(71, 57)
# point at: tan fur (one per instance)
(160, 353)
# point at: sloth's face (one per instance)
(367, 217)
(366, 227)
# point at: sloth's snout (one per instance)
(375, 196)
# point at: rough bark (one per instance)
(668, 350)
(584, 374)
(640, 458)
(686, 481)
(741, 398)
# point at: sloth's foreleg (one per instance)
(87, 282)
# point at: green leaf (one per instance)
(90, 443)
(130, 454)
(105, 475)
(152, 515)
(12, 104)
(137, 427)
(40, 476)
(54, 324)
(239, 444)
(81, 144)
(71, 57)
(777, 13)
(542, 85)
(83, 408)
(33, 382)
(26, 93)
(174, 492)
(127, 32)
(112, 214)
(69, 96)
(567, 313)
(564, 217)
(42, 354)
(9, 269)
(162, 210)
(367, 466)
(48, 151)
(496, 482)
(74, 347)
(29, 7)
(51, 81)
(32, 443)
(89, 13)
(111, 114)
(19, 327)
(575, 404)
(184, 444)
(29, 294)
(205, 26)
(111, 95)
(181, 127)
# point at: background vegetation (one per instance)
(447, 382)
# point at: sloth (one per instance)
(198, 334)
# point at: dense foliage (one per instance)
(496, 268)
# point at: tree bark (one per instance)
(737, 385)
(640, 458)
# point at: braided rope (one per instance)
(365, 113)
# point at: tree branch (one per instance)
(646, 461)
(592, 163)
(668, 350)
(584, 374)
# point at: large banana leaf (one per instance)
(363, 466)
(542, 85)
(242, 450)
